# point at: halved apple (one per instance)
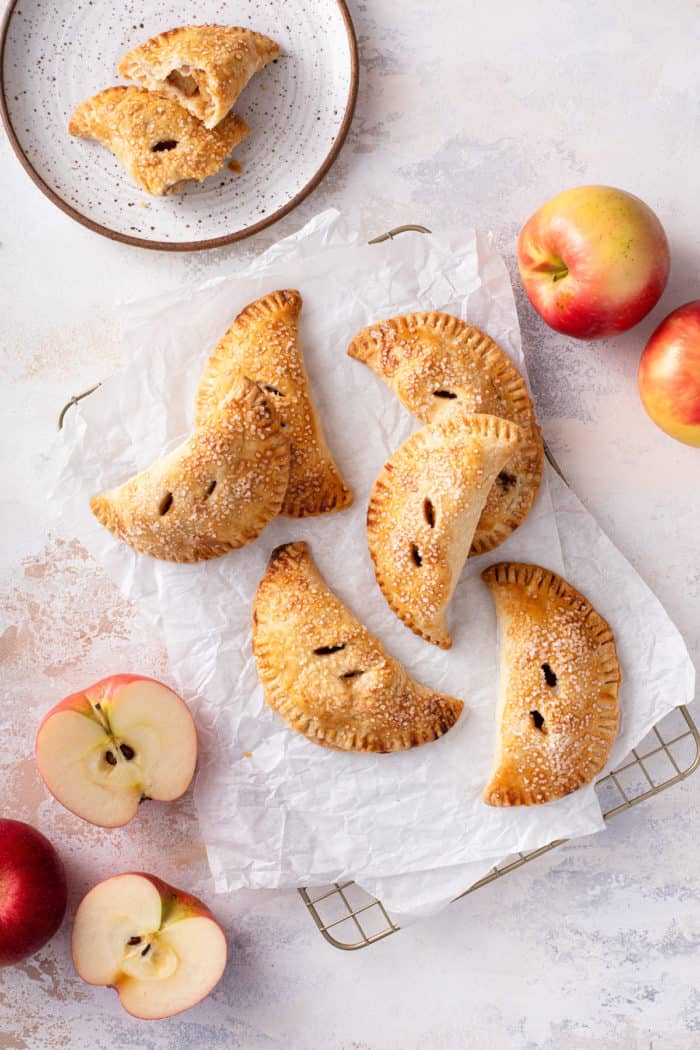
(159, 947)
(102, 751)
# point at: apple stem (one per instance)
(557, 269)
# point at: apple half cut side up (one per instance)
(159, 947)
(102, 751)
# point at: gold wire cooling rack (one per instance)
(350, 918)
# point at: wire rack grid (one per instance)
(350, 918)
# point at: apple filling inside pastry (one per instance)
(203, 68)
(184, 81)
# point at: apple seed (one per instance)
(128, 752)
(134, 940)
(111, 758)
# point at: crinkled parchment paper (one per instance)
(276, 810)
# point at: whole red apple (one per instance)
(594, 261)
(32, 891)
(669, 374)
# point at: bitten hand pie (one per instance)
(423, 511)
(438, 364)
(328, 677)
(263, 344)
(214, 493)
(560, 677)
(204, 68)
(159, 143)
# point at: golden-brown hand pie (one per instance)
(214, 493)
(159, 143)
(263, 344)
(204, 68)
(438, 364)
(560, 677)
(423, 511)
(328, 677)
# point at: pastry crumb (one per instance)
(247, 754)
(235, 165)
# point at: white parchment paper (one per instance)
(276, 810)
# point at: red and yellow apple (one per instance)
(32, 891)
(594, 261)
(159, 947)
(669, 374)
(103, 750)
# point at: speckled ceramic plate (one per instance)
(55, 53)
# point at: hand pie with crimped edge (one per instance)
(159, 143)
(263, 344)
(204, 68)
(329, 678)
(424, 509)
(214, 493)
(437, 364)
(560, 677)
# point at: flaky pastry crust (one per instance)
(438, 364)
(424, 508)
(203, 68)
(214, 493)
(560, 678)
(327, 676)
(263, 344)
(159, 143)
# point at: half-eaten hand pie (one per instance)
(263, 344)
(560, 677)
(438, 364)
(159, 143)
(423, 511)
(214, 493)
(204, 68)
(328, 677)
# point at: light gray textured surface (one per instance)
(473, 115)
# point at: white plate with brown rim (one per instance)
(55, 54)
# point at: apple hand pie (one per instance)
(560, 677)
(204, 68)
(423, 511)
(263, 344)
(159, 143)
(438, 364)
(214, 493)
(328, 677)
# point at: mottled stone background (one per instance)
(469, 113)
